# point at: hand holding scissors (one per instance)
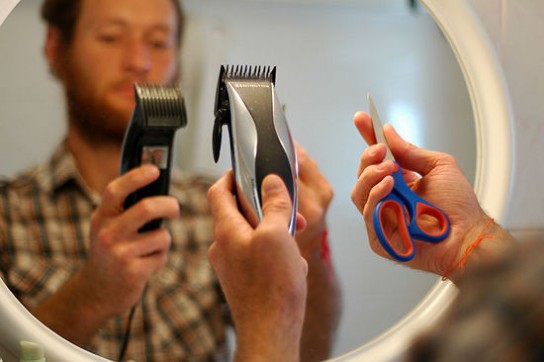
(407, 207)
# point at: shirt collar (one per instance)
(62, 173)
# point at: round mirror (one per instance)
(427, 80)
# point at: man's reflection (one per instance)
(69, 250)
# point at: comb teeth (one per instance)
(241, 72)
(162, 105)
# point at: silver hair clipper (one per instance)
(159, 112)
(260, 140)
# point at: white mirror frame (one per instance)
(494, 136)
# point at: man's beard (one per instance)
(95, 120)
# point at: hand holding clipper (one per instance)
(260, 140)
(158, 114)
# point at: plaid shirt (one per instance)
(44, 236)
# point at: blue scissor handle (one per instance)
(408, 207)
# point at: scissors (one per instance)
(407, 206)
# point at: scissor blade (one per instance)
(378, 128)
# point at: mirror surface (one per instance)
(328, 56)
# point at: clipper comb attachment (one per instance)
(158, 114)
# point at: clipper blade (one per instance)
(249, 73)
(162, 106)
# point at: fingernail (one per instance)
(384, 166)
(150, 168)
(271, 183)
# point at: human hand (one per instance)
(432, 175)
(121, 260)
(314, 198)
(261, 271)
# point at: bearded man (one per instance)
(70, 251)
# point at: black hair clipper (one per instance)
(158, 114)
(260, 140)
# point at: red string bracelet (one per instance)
(461, 263)
(326, 252)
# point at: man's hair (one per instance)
(63, 14)
(498, 313)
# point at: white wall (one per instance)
(31, 112)
(518, 34)
(328, 54)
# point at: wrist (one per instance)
(274, 351)
(484, 242)
(317, 249)
(277, 340)
(90, 299)
(271, 332)
(70, 303)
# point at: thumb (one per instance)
(276, 201)
(408, 155)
